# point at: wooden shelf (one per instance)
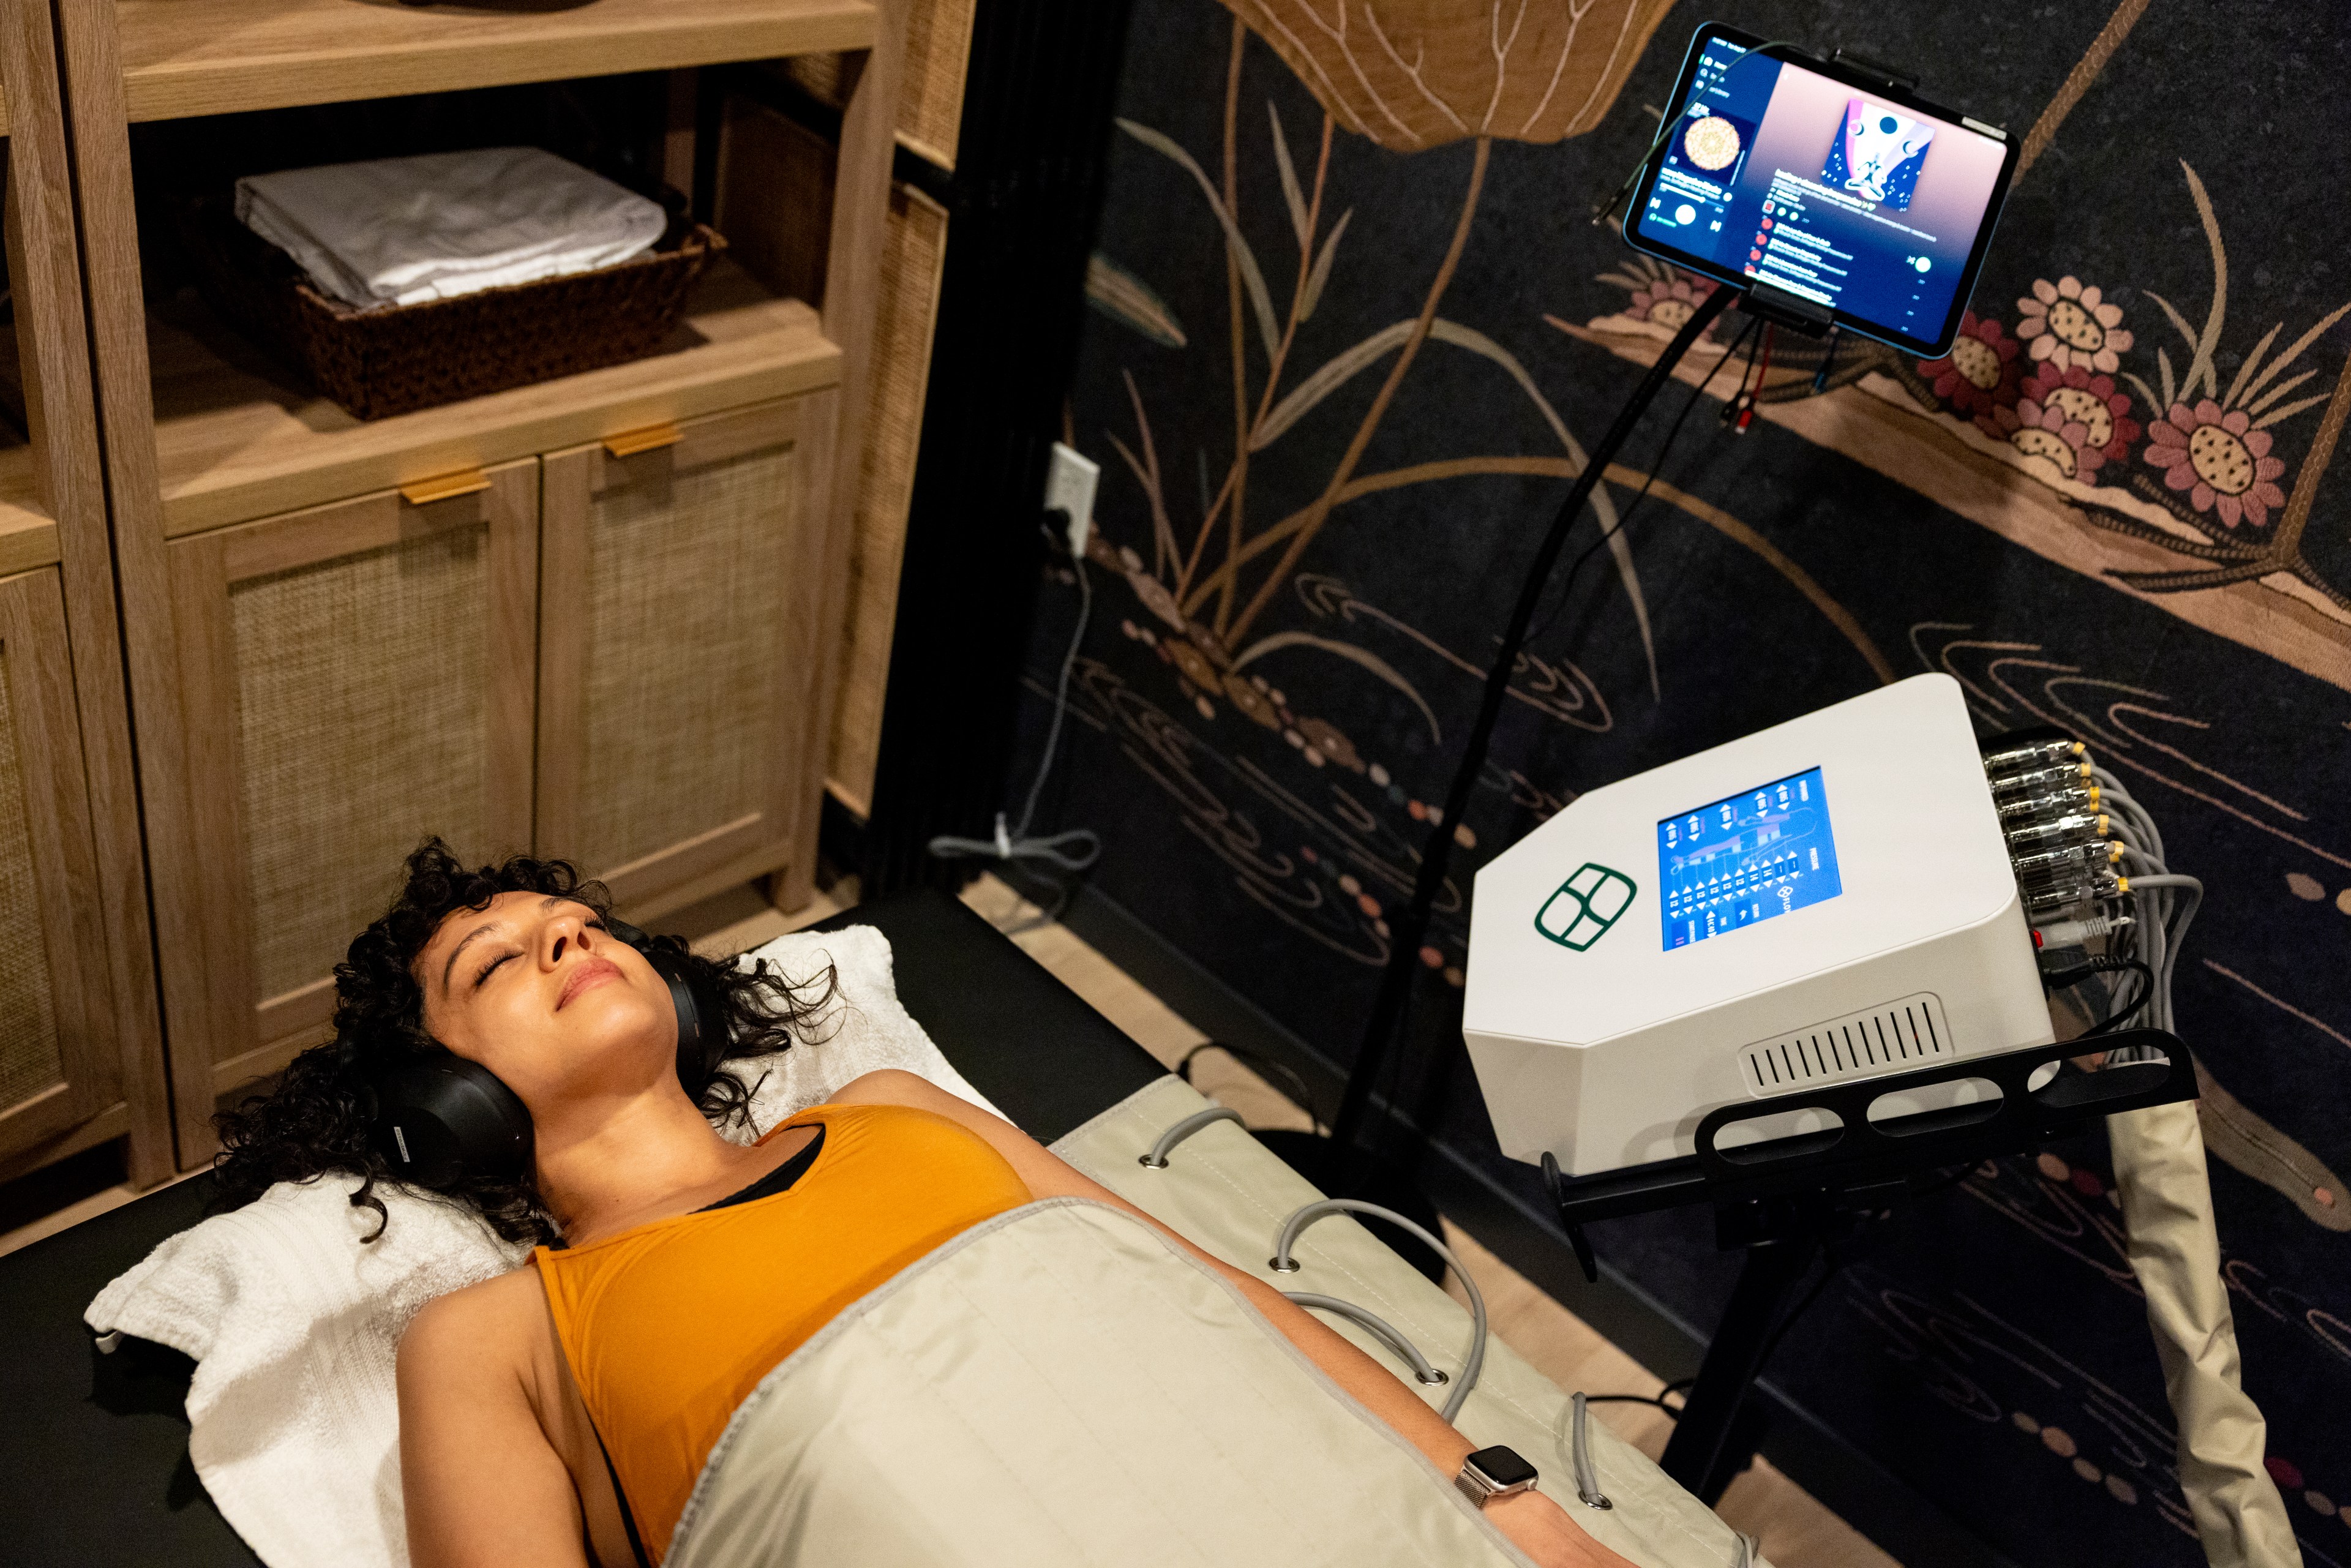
(237, 438)
(183, 58)
(28, 534)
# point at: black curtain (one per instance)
(1022, 204)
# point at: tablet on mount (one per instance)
(1827, 189)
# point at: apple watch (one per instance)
(1494, 1472)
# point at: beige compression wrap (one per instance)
(2176, 1252)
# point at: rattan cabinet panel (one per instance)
(57, 1052)
(674, 651)
(354, 748)
(357, 677)
(30, 1060)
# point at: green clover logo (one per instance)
(1585, 907)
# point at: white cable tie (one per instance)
(1003, 840)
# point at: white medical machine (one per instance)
(1835, 898)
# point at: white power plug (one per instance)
(1069, 485)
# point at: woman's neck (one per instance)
(604, 1165)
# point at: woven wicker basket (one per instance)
(397, 358)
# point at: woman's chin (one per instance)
(609, 1022)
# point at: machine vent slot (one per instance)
(1891, 1038)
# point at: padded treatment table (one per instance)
(94, 1463)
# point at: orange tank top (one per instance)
(668, 1326)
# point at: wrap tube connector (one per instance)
(2053, 803)
(2055, 862)
(2072, 828)
(2041, 780)
(2070, 889)
(2036, 754)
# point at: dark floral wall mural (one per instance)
(1351, 328)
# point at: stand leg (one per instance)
(1700, 1455)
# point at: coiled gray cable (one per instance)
(1157, 1158)
(1284, 1264)
(1074, 851)
(1587, 1474)
(1422, 1370)
(2166, 901)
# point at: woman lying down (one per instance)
(564, 1414)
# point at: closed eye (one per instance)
(491, 968)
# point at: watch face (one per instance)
(1503, 1467)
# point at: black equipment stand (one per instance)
(1787, 1200)
(1411, 923)
(1341, 1165)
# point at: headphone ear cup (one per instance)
(701, 1036)
(701, 1040)
(441, 1121)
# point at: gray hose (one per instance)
(1422, 1370)
(1157, 1158)
(1284, 1264)
(1587, 1476)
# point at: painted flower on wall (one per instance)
(2068, 324)
(1979, 373)
(1194, 665)
(1412, 74)
(1326, 738)
(1156, 598)
(2221, 462)
(2076, 421)
(1669, 302)
(1251, 700)
(1661, 297)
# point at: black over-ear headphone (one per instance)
(441, 1120)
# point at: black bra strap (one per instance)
(628, 1514)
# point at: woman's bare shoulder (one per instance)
(499, 1317)
(891, 1086)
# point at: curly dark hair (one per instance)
(317, 1119)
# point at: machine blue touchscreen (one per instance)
(1779, 175)
(1747, 858)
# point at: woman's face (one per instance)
(535, 989)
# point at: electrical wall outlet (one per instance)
(1070, 485)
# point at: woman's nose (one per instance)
(561, 934)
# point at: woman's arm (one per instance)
(1538, 1526)
(484, 1487)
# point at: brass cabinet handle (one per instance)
(444, 486)
(653, 437)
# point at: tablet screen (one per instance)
(1779, 175)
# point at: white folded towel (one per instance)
(293, 1412)
(396, 231)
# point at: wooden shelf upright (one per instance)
(229, 480)
(82, 1055)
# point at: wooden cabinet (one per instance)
(81, 1054)
(354, 678)
(619, 647)
(604, 654)
(59, 1068)
(680, 606)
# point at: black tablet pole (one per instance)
(1407, 928)
(1342, 1165)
